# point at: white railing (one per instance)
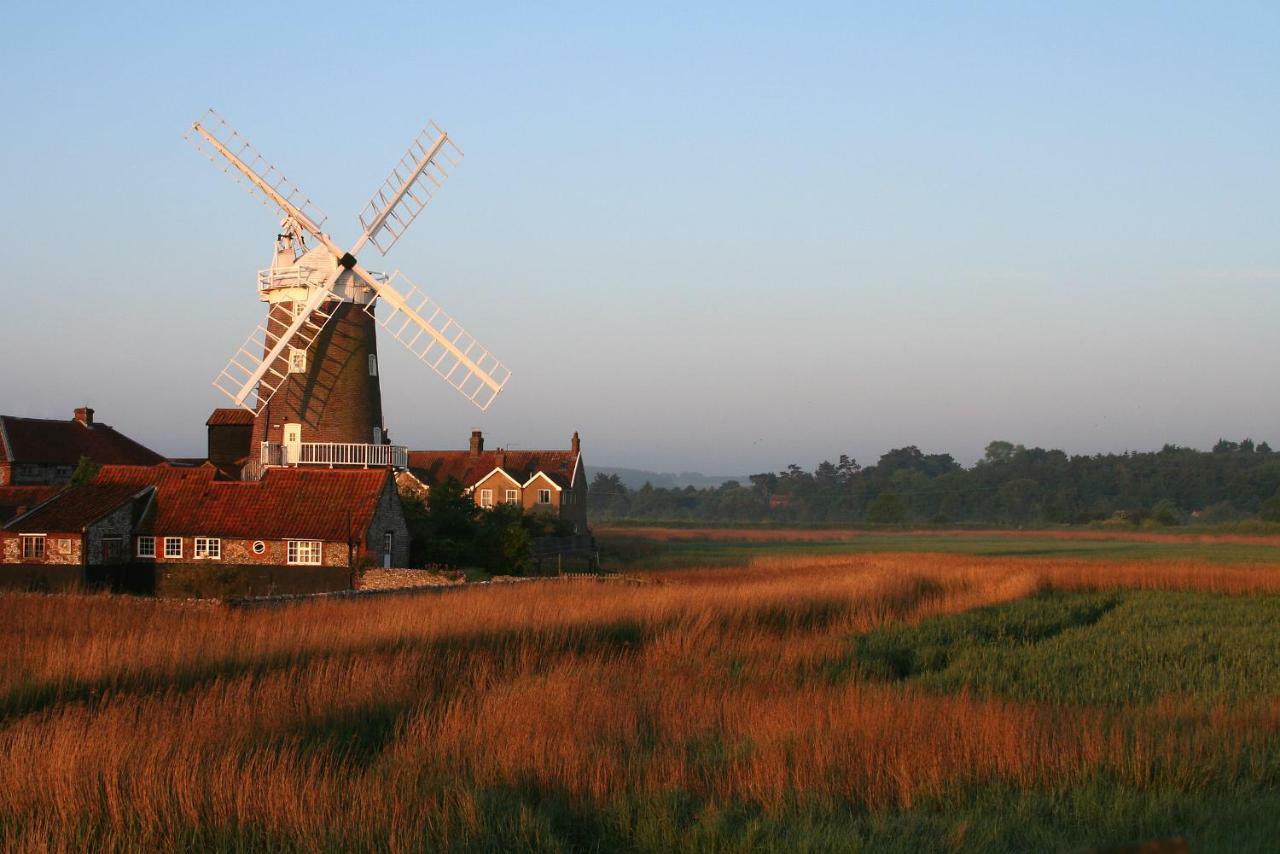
(299, 277)
(334, 454)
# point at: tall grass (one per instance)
(695, 708)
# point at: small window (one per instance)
(64, 546)
(297, 360)
(259, 547)
(305, 552)
(373, 364)
(388, 540)
(513, 496)
(486, 498)
(544, 496)
(33, 546)
(208, 548)
(298, 307)
(147, 547)
(173, 546)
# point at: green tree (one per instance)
(1270, 511)
(1019, 499)
(887, 509)
(85, 471)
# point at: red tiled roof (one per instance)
(45, 440)
(288, 503)
(15, 499)
(75, 508)
(433, 467)
(230, 416)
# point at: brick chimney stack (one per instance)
(501, 458)
(575, 444)
(477, 443)
(84, 415)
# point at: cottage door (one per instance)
(292, 443)
(388, 540)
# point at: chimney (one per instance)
(477, 443)
(501, 458)
(575, 444)
(84, 415)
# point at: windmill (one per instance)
(309, 371)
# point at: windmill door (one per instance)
(292, 443)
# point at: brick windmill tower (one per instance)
(309, 372)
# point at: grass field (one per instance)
(656, 547)
(804, 700)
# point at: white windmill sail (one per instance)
(255, 365)
(410, 186)
(447, 348)
(439, 341)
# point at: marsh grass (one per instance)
(705, 708)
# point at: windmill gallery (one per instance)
(301, 484)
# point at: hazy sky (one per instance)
(720, 240)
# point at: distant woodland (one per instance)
(1011, 486)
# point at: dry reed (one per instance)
(132, 723)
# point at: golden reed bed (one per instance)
(127, 723)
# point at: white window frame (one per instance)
(486, 498)
(373, 364)
(305, 552)
(146, 547)
(513, 496)
(544, 496)
(33, 546)
(173, 547)
(207, 548)
(298, 307)
(64, 546)
(297, 360)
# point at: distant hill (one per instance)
(636, 478)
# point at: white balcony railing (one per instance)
(334, 454)
(299, 276)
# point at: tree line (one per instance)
(1011, 485)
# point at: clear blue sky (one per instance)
(724, 239)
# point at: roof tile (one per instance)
(75, 508)
(46, 440)
(288, 503)
(432, 467)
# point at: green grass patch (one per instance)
(620, 550)
(1110, 649)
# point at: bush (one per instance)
(1164, 515)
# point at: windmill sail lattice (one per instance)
(451, 351)
(410, 186)
(215, 128)
(255, 364)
